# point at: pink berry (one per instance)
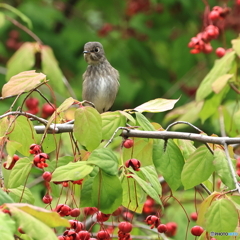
(162, 228)
(75, 212)
(47, 176)
(128, 143)
(134, 163)
(47, 199)
(194, 216)
(220, 52)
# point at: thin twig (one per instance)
(183, 122)
(25, 29)
(233, 87)
(205, 188)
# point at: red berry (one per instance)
(238, 2)
(220, 52)
(152, 220)
(32, 103)
(171, 229)
(128, 143)
(47, 199)
(197, 231)
(194, 216)
(117, 212)
(15, 157)
(75, 212)
(76, 225)
(65, 184)
(61, 238)
(90, 210)
(21, 231)
(102, 217)
(103, 235)
(35, 149)
(214, 15)
(47, 176)
(84, 235)
(125, 227)
(134, 163)
(162, 228)
(47, 110)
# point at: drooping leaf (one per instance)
(24, 133)
(86, 193)
(66, 104)
(105, 159)
(62, 161)
(151, 174)
(222, 168)
(221, 82)
(20, 172)
(144, 122)
(88, 127)
(5, 198)
(50, 218)
(141, 150)
(204, 208)
(186, 147)
(22, 82)
(71, 172)
(149, 190)
(8, 227)
(12, 147)
(21, 194)
(51, 69)
(236, 46)
(221, 67)
(198, 167)
(110, 122)
(107, 192)
(169, 162)
(157, 105)
(133, 195)
(221, 216)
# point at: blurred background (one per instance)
(146, 40)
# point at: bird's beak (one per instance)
(86, 52)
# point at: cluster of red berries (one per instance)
(64, 210)
(124, 231)
(218, 13)
(13, 40)
(105, 30)
(32, 105)
(12, 164)
(40, 158)
(201, 43)
(137, 6)
(153, 220)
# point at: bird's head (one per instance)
(93, 53)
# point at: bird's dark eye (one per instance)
(96, 49)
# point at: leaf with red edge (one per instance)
(157, 105)
(22, 82)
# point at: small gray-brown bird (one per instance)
(101, 80)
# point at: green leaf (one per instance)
(4, 122)
(110, 122)
(22, 60)
(187, 147)
(32, 226)
(133, 195)
(148, 189)
(86, 193)
(88, 127)
(221, 67)
(51, 69)
(169, 162)
(198, 167)
(20, 172)
(8, 226)
(221, 167)
(12, 147)
(4, 198)
(104, 159)
(22, 82)
(21, 194)
(107, 192)
(212, 103)
(236, 201)
(204, 208)
(50, 142)
(151, 174)
(236, 46)
(66, 104)
(221, 216)
(62, 161)
(2, 19)
(141, 150)
(129, 117)
(144, 122)
(24, 133)
(71, 172)
(156, 105)
(50, 218)
(221, 82)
